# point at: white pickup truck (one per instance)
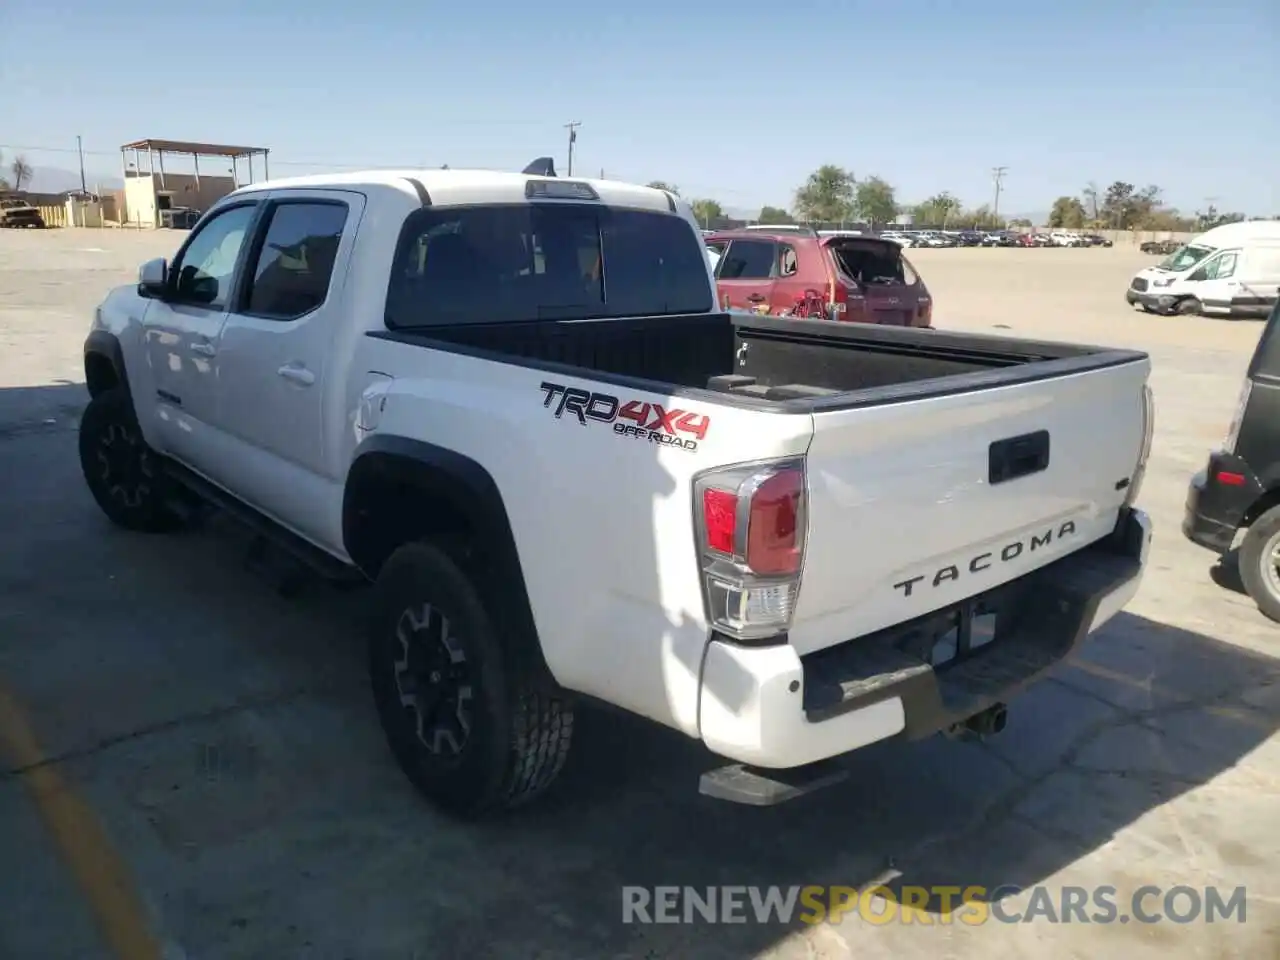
(511, 402)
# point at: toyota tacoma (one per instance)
(513, 404)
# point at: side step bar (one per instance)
(326, 566)
(755, 787)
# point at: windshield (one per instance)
(1185, 258)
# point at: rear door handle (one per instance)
(204, 348)
(756, 298)
(296, 373)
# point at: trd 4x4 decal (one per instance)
(641, 419)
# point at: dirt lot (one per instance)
(189, 757)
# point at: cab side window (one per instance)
(291, 275)
(1221, 267)
(204, 270)
(788, 263)
(715, 253)
(748, 260)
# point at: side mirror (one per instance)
(1197, 276)
(153, 278)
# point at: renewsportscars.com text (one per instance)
(972, 905)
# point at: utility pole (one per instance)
(80, 151)
(997, 174)
(573, 137)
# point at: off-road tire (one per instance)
(520, 724)
(1255, 556)
(123, 473)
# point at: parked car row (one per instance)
(993, 238)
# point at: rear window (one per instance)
(508, 263)
(869, 262)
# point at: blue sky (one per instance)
(736, 100)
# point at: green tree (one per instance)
(1115, 203)
(1021, 223)
(21, 170)
(775, 215)
(1067, 212)
(827, 195)
(874, 201)
(663, 185)
(1211, 218)
(979, 218)
(1091, 201)
(1164, 219)
(1124, 207)
(707, 211)
(938, 211)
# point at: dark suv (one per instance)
(1239, 488)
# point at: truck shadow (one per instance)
(1149, 713)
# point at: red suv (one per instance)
(796, 271)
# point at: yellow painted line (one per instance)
(101, 874)
(1242, 717)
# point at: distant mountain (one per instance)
(55, 180)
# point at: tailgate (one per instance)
(919, 504)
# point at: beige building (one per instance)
(214, 170)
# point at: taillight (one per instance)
(750, 522)
(1233, 431)
(924, 312)
(1144, 453)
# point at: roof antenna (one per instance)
(542, 167)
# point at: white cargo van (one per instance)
(1229, 271)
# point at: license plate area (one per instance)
(972, 627)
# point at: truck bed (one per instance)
(800, 365)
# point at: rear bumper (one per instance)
(1215, 508)
(768, 707)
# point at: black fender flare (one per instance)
(102, 346)
(458, 483)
